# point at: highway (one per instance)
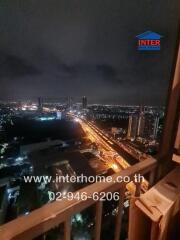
(112, 153)
(118, 150)
(131, 154)
(105, 146)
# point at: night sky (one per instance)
(55, 48)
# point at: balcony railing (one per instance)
(51, 215)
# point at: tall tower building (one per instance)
(141, 125)
(40, 105)
(132, 127)
(156, 125)
(84, 102)
(69, 102)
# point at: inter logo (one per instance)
(149, 41)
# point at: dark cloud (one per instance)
(107, 70)
(14, 67)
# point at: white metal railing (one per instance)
(39, 221)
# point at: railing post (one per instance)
(67, 229)
(138, 189)
(151, 177)
(119, 214)
(98, 220)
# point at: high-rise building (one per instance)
(40, 105)
(144, 125)
(132, 127)
(148, 126)
(156, 126)
(69, 102)
(84, 102)
(141, 125)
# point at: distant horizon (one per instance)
(34, 101)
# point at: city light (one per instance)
(114, 166)
(46, 118)
(76, 119)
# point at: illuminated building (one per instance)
(132, 127)
(84, 102)
(156, 126)
(59, 115)
(69, 103)
(40, 106)
(148, 126)
(141, 125)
